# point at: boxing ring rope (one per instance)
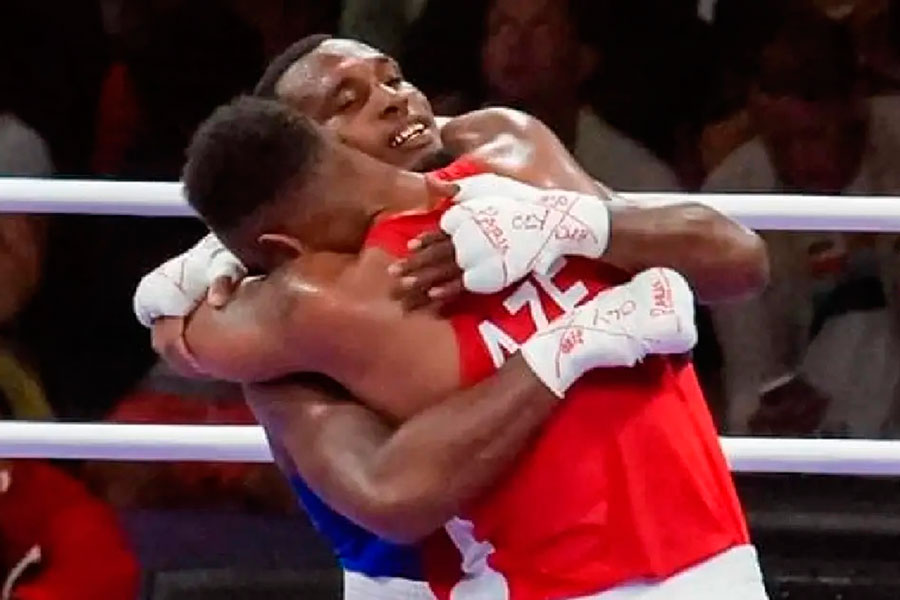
(164, 199)
(247, 443)
(243, 443)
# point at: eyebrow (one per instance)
(334, 88)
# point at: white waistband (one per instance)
(361, 587)
(733, 574)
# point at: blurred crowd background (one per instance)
(650, 95)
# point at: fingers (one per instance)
(427, 240)
(220, 291)
(448, 291)
(429, 250)
(430, 275)
(440, 189)
(429, 283)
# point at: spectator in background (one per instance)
(57, 541)
(796, 357)
(537, 56)
(163, 397)
(817, 132)
(51, 60)
(876, 27)
(178, 59)
(280, 23)
(739, 28)
(656, 78)
(381, 24)
(22, 238)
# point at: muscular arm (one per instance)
(404, 482)
(722, 260)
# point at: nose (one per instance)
(395, 103)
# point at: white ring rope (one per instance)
(108, 441)
(164, 199)
(247, 443)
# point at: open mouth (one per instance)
(409, 133)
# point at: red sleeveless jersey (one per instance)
(626, 481)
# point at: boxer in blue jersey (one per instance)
(359, 94)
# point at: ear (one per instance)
(279, 248)
(438, 189)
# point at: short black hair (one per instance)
(243, 157)
(265, 87)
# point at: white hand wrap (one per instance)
(651, 314)
(178, 285)
(503, 229)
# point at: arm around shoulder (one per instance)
(251, 338)
(403, 482)
(319, 432)
(722, 260)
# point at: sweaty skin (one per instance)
(334, 301)
(401, 478)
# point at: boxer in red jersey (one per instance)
(359, 95)
(627, 484)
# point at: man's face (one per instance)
(360, 96)
(530, 50)
(815, 146)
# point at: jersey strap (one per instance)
(393, 233)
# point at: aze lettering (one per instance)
(499, 343)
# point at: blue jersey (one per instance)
(357, 549)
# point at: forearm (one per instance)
(230, 348)
(722, 260)
(244, 340)
(447, 455)
(404, 482)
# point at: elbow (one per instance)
(402, 518)
(737, 255)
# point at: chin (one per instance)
(434, 158)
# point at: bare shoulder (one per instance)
(514, 144)
(496, 118)
(314, 279)
(473, 130)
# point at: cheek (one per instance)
(420, 104)
(364, 144)
(353, 133)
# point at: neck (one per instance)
(397, 190)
